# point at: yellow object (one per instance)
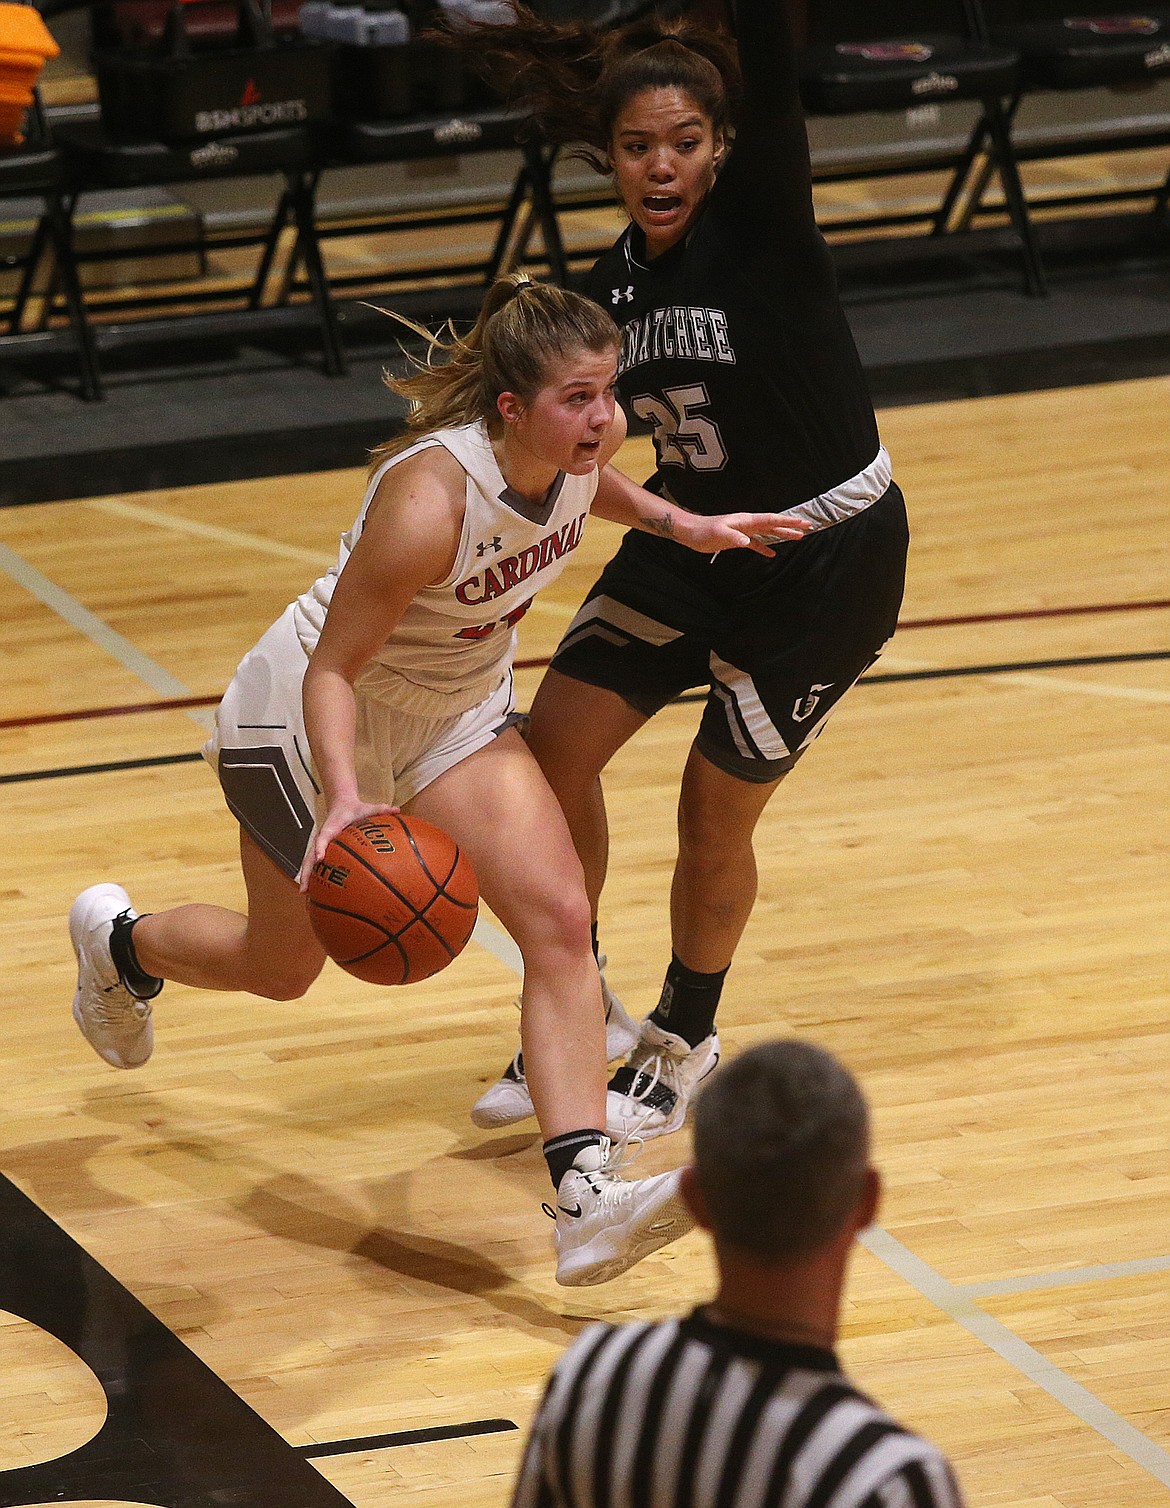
(25, 46)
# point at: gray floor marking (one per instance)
(1045, 681)
(1018, 1353)
(98, 632)
(499, 945)
(1065, 1277)
(1041, 681)
(137, 512)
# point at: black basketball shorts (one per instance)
(777, 641)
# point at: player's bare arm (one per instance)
(409, 541)
(623, 501)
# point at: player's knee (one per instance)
(288, 978)
(708, 838)
(561, 922)
(571, 920)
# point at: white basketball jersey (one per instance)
(456, 641)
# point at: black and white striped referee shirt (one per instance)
(689, 1414)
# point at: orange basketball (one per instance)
(393, 900)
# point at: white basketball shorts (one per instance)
(260, 749)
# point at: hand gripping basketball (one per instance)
(393, 899)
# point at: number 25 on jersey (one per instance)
(682, 436)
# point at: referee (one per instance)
(743, 1404)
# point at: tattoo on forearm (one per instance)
(662, 524)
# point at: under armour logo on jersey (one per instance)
(804, 706)
(495, 543)
(618, 295)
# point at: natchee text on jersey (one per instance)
(677, 331)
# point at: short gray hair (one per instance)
(781, 1149)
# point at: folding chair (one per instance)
(893, 55)
(1073, 45)
(530, 206)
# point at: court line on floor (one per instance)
(1064, 1277)
(960, 1306)
(1009, 673)
(66, 606)
(107, 767)
(1092, 688)
(499, 944)
(124, 709)
(141, 514)
(1014, 667)
(1025, 614)
(89, 624)
(407, 1437)
(320, 560)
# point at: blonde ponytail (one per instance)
(523, 327)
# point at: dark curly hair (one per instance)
(574, 81)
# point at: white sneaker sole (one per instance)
(611, 1252)
(115, 1060)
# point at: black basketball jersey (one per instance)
(734, 343)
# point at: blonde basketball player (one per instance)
(389, 681)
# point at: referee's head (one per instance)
(782, 1164)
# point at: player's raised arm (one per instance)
(768, 175)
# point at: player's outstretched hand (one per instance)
(741, 531)
(338, 816)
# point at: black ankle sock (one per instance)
(142, 986)
(596, 951)
(688, 1002)
(561, 1151)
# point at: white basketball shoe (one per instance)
(116, 1024)
(508, 1100)
(651, 1094)
(605, 1223)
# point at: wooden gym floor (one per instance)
(963, 892)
